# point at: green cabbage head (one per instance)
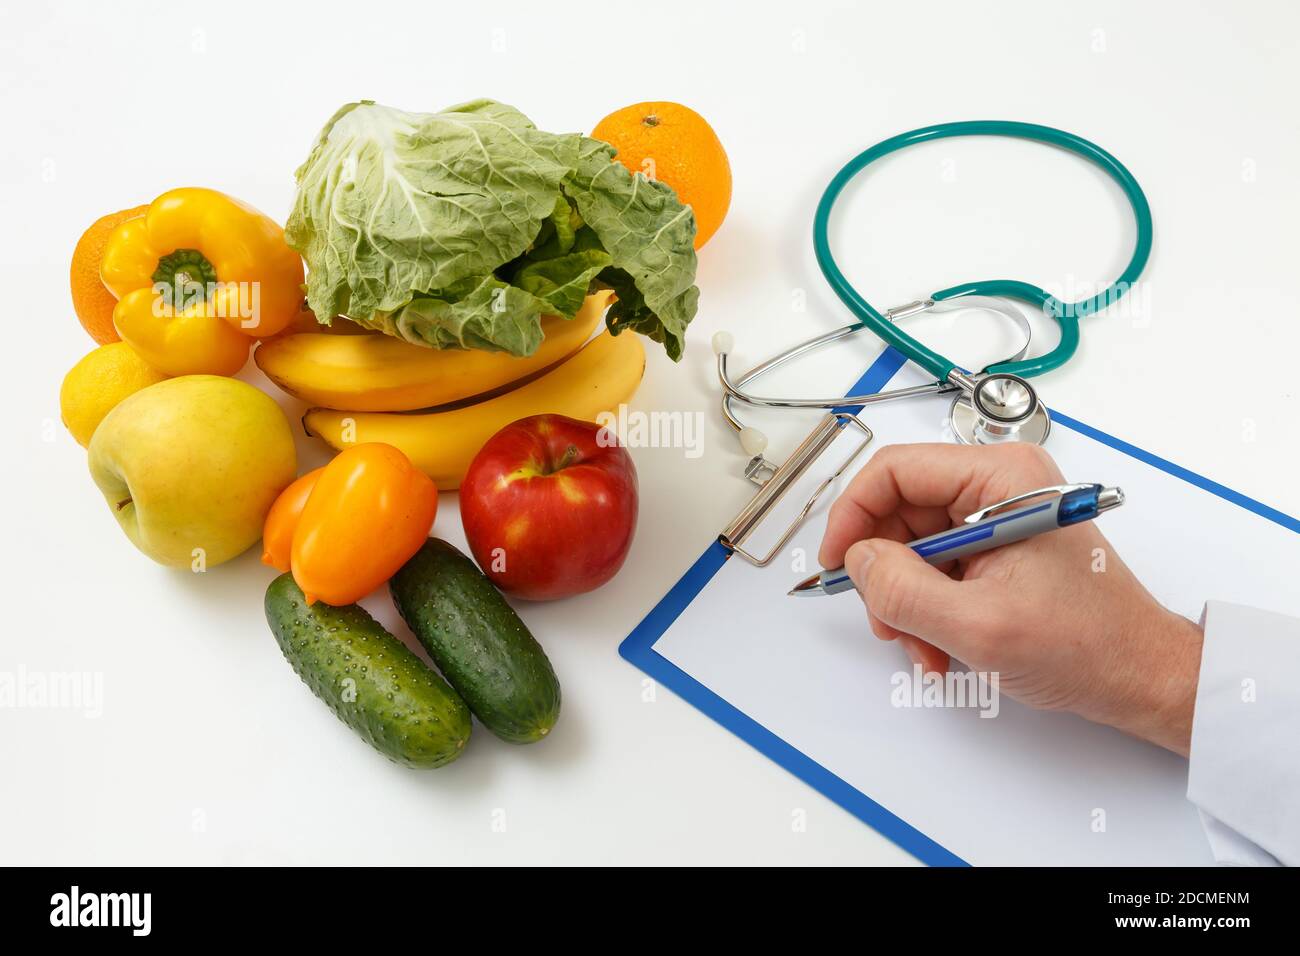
(460, 229)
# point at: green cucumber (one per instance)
(478, 642)
(369, 678)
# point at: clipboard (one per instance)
(1138, 790)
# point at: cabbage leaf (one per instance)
(460, 229)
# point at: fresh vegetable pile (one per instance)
(460, 229)
(458, 266)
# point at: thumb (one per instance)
(907, 594)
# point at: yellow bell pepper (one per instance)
(198, 278)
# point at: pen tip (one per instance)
(792, 592)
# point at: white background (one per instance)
(210, 750)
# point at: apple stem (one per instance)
(567, 459)
(123, 503)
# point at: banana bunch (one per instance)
(369, 387)
(604, 373)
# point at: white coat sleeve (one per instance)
(1244, 770)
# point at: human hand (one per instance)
(1059, 617)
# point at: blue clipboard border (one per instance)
(638, 647)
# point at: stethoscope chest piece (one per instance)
(1000, 407)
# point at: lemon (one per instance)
(97, 383)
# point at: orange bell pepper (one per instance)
(198, 278)
(368, 513)
(282, 520)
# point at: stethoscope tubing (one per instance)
(1066, 315)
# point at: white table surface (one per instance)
(209, 750)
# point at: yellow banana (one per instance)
(603, 374)
(380, 373)
(305, 322)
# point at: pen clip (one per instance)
(1018, 499)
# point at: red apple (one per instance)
(549, 507)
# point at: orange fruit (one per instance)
(92, 302)
(675, 145)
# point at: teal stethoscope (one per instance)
(997, 404)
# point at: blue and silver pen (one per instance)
(985, 530)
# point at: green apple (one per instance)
(190, 467)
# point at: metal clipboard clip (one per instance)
(777, 481)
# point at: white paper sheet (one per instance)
(1025, 787)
